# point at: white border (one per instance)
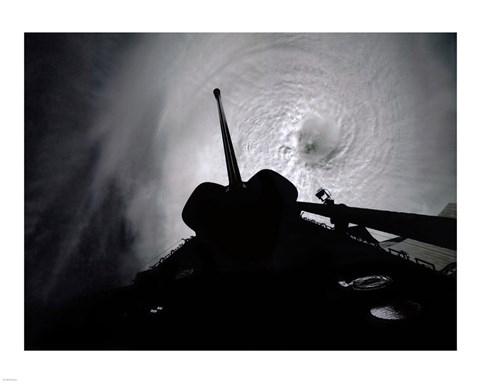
(234, 367)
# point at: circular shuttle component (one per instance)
(397, 310)
(368, 283)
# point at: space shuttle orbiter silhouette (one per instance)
(243, 220)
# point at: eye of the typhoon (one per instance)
(318, 138)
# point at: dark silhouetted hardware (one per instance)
(244, 220)
(435, 230)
